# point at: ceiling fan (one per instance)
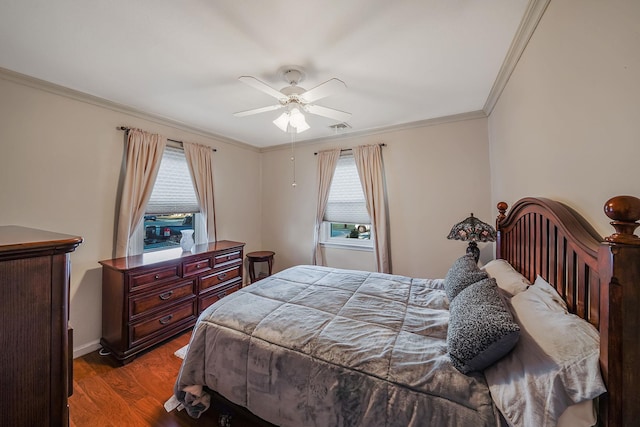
(296, 100)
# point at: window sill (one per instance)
(354, 247)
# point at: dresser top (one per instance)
(17, 239)
(157, 257)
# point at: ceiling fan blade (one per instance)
(341, 116)
(255, 83)
(257, 110)
(323, 89)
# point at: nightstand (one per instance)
(259, 256)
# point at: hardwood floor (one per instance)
(107, 394)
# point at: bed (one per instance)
(316, 346)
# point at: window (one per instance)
(173, 205)
(346, 221)
(164, 231)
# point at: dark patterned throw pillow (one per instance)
(481, 327)
(462, 273)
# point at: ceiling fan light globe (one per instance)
(302, 127)
(282, 122)
(296, 118)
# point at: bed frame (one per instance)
(598, 278)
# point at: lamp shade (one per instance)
(473, 230)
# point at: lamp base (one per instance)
(473, 249)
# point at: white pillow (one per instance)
(554, 365)
(581, 414)
(508, 279)
(552, 296)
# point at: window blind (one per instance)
(173, 190)
(346, 202)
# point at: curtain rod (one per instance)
(351, 149)
(127, 129)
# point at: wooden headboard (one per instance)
(598, 278)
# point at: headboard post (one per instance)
(502, 210)
(619, 270)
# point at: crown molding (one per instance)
(46, 86)
(533, 15)
(473, 115)
(66, 92)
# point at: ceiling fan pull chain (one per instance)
(293, 158)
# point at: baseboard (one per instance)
(86, 349)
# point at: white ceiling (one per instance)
(403, 61)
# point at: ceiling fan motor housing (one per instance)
(292, 91)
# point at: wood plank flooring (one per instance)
(106, 394)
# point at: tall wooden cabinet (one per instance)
(151, 297)
(34, 310)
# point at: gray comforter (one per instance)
(317, 346)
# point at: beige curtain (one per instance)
(144, 153)
(200, 161)
(368, 160)
(327, 161)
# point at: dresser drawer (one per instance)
(180, 314)
(217, 294)
(192, 268)
(161, 297)
(211, 280)
(141, 280)
(224, 259)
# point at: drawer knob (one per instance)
(221, 276)
(157, 276)
(198, 266)
(222, 294)
(166, 319)
(166, 295)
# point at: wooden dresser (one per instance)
(35, 340)
(151, 297)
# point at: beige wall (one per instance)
(436, 175)
(59, 169)
(567, 125)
